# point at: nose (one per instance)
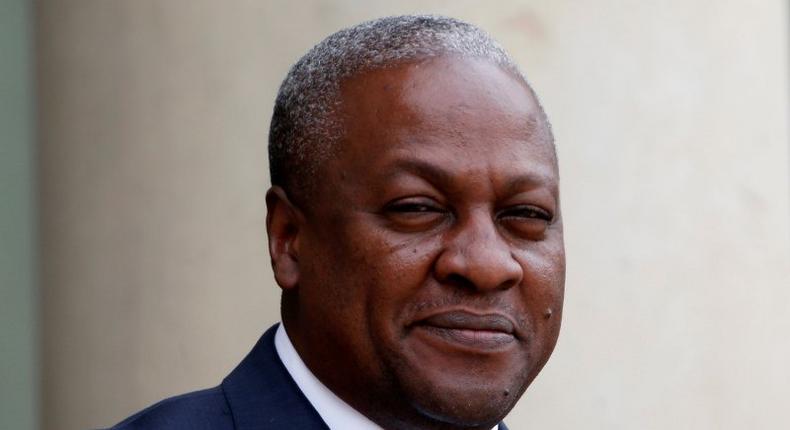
(476, 256)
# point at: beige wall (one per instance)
(672, 124)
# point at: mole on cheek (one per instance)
(547, 314)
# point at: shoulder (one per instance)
(259, 393)
(205, 409)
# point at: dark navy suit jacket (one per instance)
(259, 394)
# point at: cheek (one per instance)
(333, 277)
(397, 276)
(400, 271)
(544, 270)
(364, 262)
(543, 291)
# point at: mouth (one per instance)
(469, 330)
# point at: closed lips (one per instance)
(486, 330)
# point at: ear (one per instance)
(283, 224)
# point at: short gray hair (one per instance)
(304, 130)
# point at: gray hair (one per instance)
(304, 130)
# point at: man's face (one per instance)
(431, 263)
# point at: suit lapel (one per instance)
(262, 395)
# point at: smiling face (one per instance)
(424, 283)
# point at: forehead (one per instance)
(453, 112)
(436, 86)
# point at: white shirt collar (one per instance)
(336, 413)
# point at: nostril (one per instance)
(459, 281)
(510, 283)
(480, 279)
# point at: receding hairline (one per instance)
(533, 122)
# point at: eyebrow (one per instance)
(438, 176)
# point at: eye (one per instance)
(526, 211)
(411, 208)
(526, 220)
(414, 213)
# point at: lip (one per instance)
(470, 330)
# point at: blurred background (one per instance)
(133, 167)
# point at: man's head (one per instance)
(422, 264)
(305, 128)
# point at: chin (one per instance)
(466, 401)
(451, 385)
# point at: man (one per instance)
(414, 228)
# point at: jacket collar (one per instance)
(262, 395)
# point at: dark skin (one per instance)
(423, 281)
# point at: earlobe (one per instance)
(283, 224)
